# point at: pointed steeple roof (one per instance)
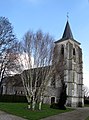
(67, 32)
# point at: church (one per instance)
(70, 52)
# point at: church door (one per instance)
(52, 100)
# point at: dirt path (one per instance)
(78, 114)
(6, 116)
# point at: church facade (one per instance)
(70, 52)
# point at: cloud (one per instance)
(33, 1)
(86, 78)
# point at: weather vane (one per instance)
(67, 15)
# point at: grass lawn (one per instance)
(87, 118)
(87, 105)
(20, 109)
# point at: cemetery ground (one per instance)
(20, 109)
(47, 113)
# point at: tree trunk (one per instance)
(29, 101)
(40, 105)
(29, 105)
(33, 103)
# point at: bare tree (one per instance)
(59, 67)
(86, 91)
(59, 62)
(7, 47)
(37, 51)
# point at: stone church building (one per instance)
(70, 51)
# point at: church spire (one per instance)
(67, 32)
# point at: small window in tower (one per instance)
(73, 77)
(73, 51)
(74, 54)
(53, 81)
(72, 86)
(62, 50)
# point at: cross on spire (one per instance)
(67, 15)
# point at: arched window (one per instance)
(73, 51)
(53, 81)
(62, 50)
(74, 54)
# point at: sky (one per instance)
(51, 16)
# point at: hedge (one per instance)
(13, 98)
(86, 101)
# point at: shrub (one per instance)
(63, 97)
(62, 100)
(54, 106)
(80, 104)
(86, 101)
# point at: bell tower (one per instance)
(73, 68)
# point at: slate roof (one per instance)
(67, 34)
